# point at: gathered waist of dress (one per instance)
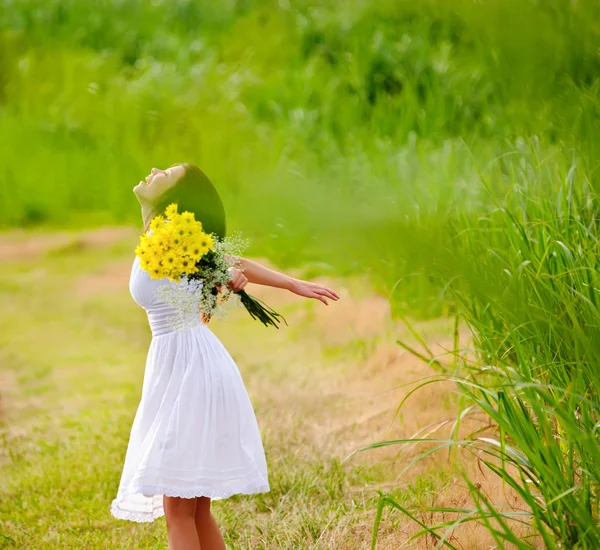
(164, 320)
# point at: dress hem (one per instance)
(146, 517)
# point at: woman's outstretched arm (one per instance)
(253, 272)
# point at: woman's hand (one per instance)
(238, 280)
(313, 290)
(261, 275)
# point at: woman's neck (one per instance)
(148, 212)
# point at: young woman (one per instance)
(195, 437)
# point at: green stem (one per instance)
(261, 311)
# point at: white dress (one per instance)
(195, 432)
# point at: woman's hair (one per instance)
(194, 192)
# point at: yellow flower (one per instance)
(161, 240)
(173, 245)
(141, 250)
(156, 223)
(144, 263)
(177, 236)
(196, 251)
(153, 259)
(169, 259)
(156, 271)
(154, 268)
(175, 272)
(205, 241)
(170, 228)
(188, 218)
(188, 266)
(153, 251)
(172, 264)
(171, 211)
(176, 247)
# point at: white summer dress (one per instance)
(195, 432)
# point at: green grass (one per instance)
(531, 301)
(73, 348)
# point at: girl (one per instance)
(195, 436)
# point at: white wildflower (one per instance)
(206, 294)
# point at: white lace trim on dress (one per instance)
(144, 517)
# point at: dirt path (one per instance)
(323, 387)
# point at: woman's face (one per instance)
(157, 184)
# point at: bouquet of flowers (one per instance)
(177, 248)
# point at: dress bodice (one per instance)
(162, 316)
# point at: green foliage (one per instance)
(531, 301)
(343, 132)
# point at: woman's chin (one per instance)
(139, 188)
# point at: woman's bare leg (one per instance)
(208, 533)
(180, 514)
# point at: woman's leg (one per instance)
(180, 514)
(208, 533)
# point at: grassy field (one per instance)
(441, 154)
(73, 349)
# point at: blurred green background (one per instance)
(351, 134)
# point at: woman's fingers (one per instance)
(323, 290)
(238, 281)
(319, 294)
(321, 299)
(331, 294)
(315, 291)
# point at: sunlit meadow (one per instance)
(445, 153)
